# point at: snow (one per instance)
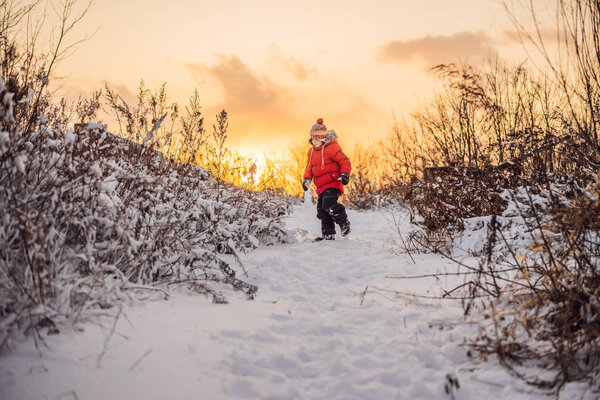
(96, 170)
(95, 125)
(109, 185)
(70, 138)
(20, 163)
(328, 322)
(4, 139)
(26, 99)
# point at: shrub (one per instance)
(89, 219)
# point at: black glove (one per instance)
(305, 184)
(345, 178)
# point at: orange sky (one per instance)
(277, 65)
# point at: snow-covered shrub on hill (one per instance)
(541, 260)
(536, 237)
(88, 219)
(446, 196)
(511, 230)
(538, 273)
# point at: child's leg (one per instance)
(327, 223)
(335, 210)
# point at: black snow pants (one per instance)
(329, 211)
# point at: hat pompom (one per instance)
(318, 129)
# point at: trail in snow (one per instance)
(311, 333)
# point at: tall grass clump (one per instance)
(179, 134)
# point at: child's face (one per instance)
(316, 142)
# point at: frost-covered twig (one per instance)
(112, 331)
(146, 354)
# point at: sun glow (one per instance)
(256, 165)
(357, 70)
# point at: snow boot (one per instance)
(345, 228)
(329, 236)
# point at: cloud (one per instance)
(123, 91)
(355, 112)
(290, 64)
(243, 89)
(437, 49)
(549, 35)
(267, 114)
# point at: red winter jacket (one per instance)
(326, 163)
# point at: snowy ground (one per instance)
(311, 333)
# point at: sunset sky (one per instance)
(277, 65)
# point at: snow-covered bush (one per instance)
(446, 196)
(88, 219)
(537, 239)
(542, 256)
(504, 164)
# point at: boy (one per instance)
(329, 169)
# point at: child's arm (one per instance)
(342, 160)
(308, 170)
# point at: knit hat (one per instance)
(318, 130)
